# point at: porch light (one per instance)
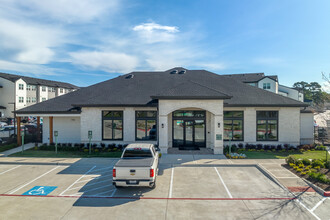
(163, 125)
(219, 125)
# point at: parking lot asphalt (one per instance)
(201, 187)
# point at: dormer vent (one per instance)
(182, 72)
(174, 72)
(130, 76)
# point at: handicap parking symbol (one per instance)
(40, 190)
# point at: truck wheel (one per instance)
(118, 187)
(153, 185)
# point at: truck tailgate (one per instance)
(130, 173)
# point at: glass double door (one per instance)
(188, 133)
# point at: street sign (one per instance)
(40, 190)
(55, 133)
(90, 134)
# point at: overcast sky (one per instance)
(88, 41)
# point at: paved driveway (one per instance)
(200, 187)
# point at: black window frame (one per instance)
(112, 119)
(232, 122)
(146, 119)
(267, 118)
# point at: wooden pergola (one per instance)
(19, 137)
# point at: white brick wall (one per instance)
(68, 129)
(306, 128)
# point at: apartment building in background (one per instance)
(22, 91)
(268, 83)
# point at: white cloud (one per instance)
(153, 27)
(34, 69)
(28, 43)
(155, 33)
(64, 10)
(106, 61)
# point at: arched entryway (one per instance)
(189, 129)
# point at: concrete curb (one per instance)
(271, 176)
(317, 189)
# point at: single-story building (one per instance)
(177, 108)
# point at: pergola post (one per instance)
(51, 129)
(38, 129)
(19, 138)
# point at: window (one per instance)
(112, 125)
(34, 99)
(43, 88)
(21, 99)
(266, 86)
(33, 88)
(146, 125)
(267, 125)
(43, 99)
(28, 87)
(233, 125)
(61, 90)
(21, 86)
(28, 99)
(194, 114)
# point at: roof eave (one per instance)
(191, 97)
(265, 105)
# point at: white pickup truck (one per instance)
(138, 166)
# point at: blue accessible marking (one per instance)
(40, 190)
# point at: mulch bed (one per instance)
(323, 186)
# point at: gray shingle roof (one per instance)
(145, 87)
(250, 77)
(36, 81)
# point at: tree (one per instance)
(312, 91)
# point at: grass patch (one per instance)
(7, 147)
(283, 155)
(64, 154)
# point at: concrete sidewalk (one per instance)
(15, 150)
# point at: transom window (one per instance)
(112, 122)
(146, 125)
(21, 86)
(192, 114)
(233, 125)
(266, 86)
(267, 125)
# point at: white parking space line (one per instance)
(104, 192)
(10, 169)
(94, 178)
(87, 185)
(33, 180)
(318, 204)
(96, 188)
(310, 211)
(113, 193)
(61, 194)
(229, 194)
(171, 184)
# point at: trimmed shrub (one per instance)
(240, 146)
(290, 159)
(327, 164)
(322, 148)
(306, 162)
(317, 163)
(279, 147)
(298, 162)
(319, 177)
(267, 147)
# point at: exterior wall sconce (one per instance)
(218, 125)
(163, 125)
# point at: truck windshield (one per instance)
(137, 152)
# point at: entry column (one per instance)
(163, 133)
(18, 127)
(218, 134)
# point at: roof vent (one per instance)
(182, 72)
(174, 72)
(130, 76)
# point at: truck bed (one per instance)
(135, 162)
